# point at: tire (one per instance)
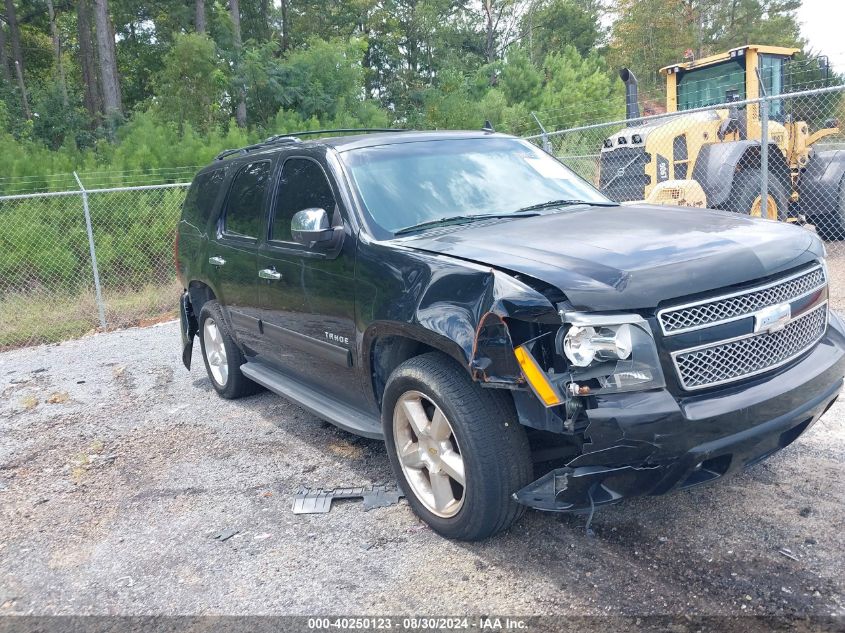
(224, 367)
(745, 196)
(830, 225)
(484, 435)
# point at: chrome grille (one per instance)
(731, 360)
(740, 305)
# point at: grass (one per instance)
(36, 319)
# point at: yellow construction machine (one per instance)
(712, 156)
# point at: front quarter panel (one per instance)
(457, 307)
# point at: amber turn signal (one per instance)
(536, 377)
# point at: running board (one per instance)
(320, 404)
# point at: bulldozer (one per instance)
(711, 157)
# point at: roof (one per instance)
(725, 56)
(350, 142)
(346, 143)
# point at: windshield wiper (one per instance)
(549, 204)
(562, 203)
(452, 219)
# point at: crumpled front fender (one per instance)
(462, 308)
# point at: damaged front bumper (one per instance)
(651, 442)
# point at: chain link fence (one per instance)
(101, 256)
(72, 261)
(713, 157)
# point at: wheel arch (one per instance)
(200, 293)
(463, 309)
(386, 345)
(718, 163)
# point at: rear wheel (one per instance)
(830, 224)
(457, 450)
(222, 356)
(746, 198)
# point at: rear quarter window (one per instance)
(244, 204)
(200, 199)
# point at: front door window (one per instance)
(303, 185)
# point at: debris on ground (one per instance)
(225, 535)
(319, 501)
(345, 449)
(58, 398)
(29, 402)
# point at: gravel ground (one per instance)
(118, 468)
(836, 274)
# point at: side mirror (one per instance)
(310, 227)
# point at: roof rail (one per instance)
(273, 140)
(293, 137)
(348, 130)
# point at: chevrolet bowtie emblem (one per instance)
(773, 318)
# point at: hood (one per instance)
(630, 257)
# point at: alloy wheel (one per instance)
(429, 454)
(215, 352)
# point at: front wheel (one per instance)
(457, 450)
(746, 196)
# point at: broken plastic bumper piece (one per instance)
(319, 500)
(652, 442)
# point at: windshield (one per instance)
(712, 85)
(406, 184)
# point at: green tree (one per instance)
(578, 89)
(550, 25)
(520, 80)
(329, 75)
(647, 35)
(190, 87)
(318, 80)
(740, 22)
(650, 34)
(55, 122)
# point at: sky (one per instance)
(821, 23)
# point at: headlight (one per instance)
(583, 345)
(609, 353)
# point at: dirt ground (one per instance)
(118, 468)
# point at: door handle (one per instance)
(270, 273)
(216, 261)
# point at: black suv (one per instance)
(516, 338)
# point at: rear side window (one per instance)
(303, 185)
(244, 205)
(201, 197)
